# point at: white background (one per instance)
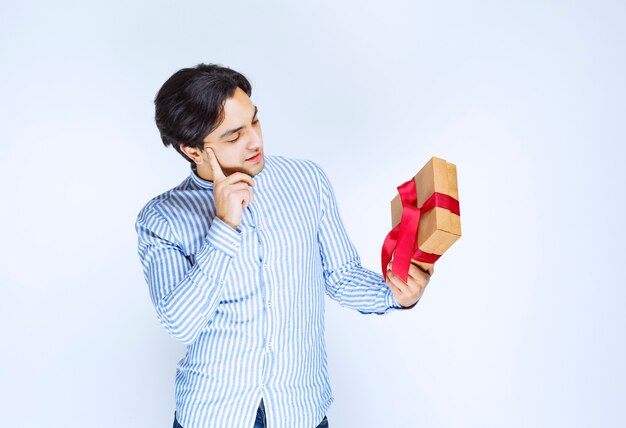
(522, 324)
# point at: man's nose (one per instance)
(256, 140)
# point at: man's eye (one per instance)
(255, 121)
(232, 141)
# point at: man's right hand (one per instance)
(232, 193)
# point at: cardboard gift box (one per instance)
(439, 217)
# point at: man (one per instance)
(238, 257)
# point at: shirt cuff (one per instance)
(223, 238)
(393, 303)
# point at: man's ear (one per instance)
(192, 153)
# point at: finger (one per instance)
(418, 274)
(243, 196)
(424, 267)
(397, 281)
(393, 287)
(236, 193)
(218, 174)
(417, 285)
(237, 187)
(239, 176)
(415, 289)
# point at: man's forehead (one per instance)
(237, 111)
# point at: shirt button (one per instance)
(234, 244)
(265, 266)
(269, 304)
(221, 282)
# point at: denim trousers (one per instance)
(260, 421)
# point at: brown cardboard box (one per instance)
(438, 228)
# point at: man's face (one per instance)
(237, 142)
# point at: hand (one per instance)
(407, 294)
(232, 193)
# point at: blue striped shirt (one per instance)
(249, 302)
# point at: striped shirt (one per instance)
(249, 302)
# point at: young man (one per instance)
(238, 257)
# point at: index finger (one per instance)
(416, 270)
(215, 166)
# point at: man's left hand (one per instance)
(408, 293)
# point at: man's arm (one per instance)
(347, 281)
(185, 296)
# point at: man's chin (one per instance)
(257, 168)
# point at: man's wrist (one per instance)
(410, 307)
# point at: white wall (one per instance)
(522, 324)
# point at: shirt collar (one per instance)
(199, 181)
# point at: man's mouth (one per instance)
(254, 158)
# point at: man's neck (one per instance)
(203, 173)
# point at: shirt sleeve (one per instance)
(185, 292)
(347, 281)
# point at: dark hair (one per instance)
(190, 104)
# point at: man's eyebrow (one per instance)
(232, 131)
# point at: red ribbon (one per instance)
(403, 238)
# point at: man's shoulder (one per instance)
(164, 202)
(153, 208)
